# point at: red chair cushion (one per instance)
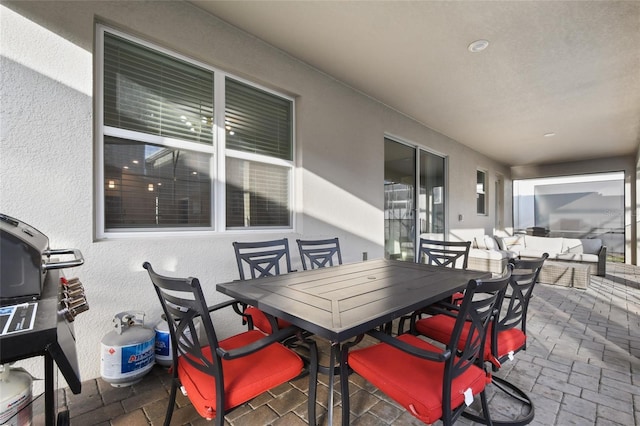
(439, 327)
(511, 340)
(261, 322)
(414, 383)
(244, 378)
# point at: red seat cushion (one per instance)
(414, 383)
(439, 327)
(244, 378)
(261, 322)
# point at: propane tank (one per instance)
(164, 354)
(164, 347)
(15, 397)
(127, 353)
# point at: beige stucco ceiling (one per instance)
(570, 68)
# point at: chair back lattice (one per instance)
(319, 253)
(452, 254)
(514, 312)
(182, 301)
(262, 259)
(482, 299)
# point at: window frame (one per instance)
(484, 192)
(217, 150)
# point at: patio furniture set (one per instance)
(571, 261)
(286, 312)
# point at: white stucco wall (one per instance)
(47, 153)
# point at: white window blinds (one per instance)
(158, 144)
(148, 91)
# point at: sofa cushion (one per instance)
(543, 244)
(591, 245)
(578, 257)
(506, 243)
(572, 245)
(478, 242)
(528, 252)
(488, 254)
(583, 245)
(515, 240)
(490, 243)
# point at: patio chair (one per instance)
(222, 374)
(510, 333)
(448, 254)
(507, 333)
(257, 260)
(319, 253)
(431, 382)
(453, 254)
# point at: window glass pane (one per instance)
(481, 184)
(399, 200)
(576, 206)
(257, 121)
(257, 194)
(151, 92)
(432, 201)
(150, 186)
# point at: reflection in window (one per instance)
(158, 148)
(154, 186)
(481, 192)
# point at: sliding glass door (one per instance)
(414, 198)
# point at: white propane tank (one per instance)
(127, 353)
(164, 348)
(15, 397)
(164, 354)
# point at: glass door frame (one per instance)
(422, 204)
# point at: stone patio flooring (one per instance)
(581, 367)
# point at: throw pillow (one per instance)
(490, 243)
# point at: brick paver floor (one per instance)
(581, 367)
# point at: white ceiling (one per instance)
(571, 68)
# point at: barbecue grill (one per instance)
(25, 258)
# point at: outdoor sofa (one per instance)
(571, 261)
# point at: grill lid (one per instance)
(24, 232)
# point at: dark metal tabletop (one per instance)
(340, 302)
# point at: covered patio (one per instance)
(554, 91)
(581, 367)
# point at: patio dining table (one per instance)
(341, 302)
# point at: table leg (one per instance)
(332, 365)
(49, 391)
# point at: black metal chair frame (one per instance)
(263, 259)
(182, 302)
(518, 296)
(444, 253)
(437, 253)
(479, 305)
(319, 253)
(513, 313)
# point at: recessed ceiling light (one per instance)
(478, 46)
(549, 135)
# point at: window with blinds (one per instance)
(147, 91)
(158, 144)
(257, 122)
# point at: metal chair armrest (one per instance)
(410, 349)
(267, 340)
(222, 305)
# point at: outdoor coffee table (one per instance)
(567, 274)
